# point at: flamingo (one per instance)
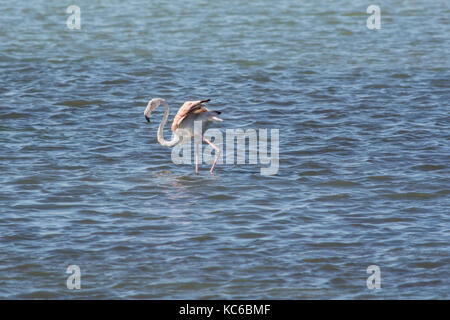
(183, 124)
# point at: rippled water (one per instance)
(364, 150)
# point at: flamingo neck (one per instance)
(175, 138)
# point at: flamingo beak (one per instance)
(214, 118)
(147, 118)
(217, 118)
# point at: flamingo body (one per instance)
(183, 124)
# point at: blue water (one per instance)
(363, 179)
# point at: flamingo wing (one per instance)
(186, 109)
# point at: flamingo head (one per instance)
(152, 105)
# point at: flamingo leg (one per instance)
(196, 158)
(217, 153)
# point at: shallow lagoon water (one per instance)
(364, 150)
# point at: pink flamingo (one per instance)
(183, 124)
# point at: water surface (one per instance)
(364, 150)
